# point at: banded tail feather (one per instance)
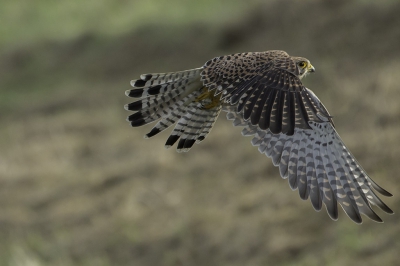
(175, 98)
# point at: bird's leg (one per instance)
(213, 100)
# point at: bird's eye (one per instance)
(303, 64)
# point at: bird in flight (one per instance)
(262, 92)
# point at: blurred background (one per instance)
(79, 186)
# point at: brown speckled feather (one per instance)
(266, 86)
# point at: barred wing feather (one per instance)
(317, 163)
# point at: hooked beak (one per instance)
(311, 69)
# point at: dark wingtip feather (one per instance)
(138, 83)
(380, 189)
(136, 93)
(356, 218)
(333, 213)
(386, 209)
(387, 194)
(303, 194)
(353, 214)
(378, 202)
(139, 122)
(374, 217)
(134, 117)
(152, 133)
(171, 140)
(189, 143)
(317, 204)
(331, 205)
(181, 144)
(316, 199)
(135, 106)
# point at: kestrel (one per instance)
(262, 92)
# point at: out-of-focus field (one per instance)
(79, 186)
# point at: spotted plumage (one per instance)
(262, 92)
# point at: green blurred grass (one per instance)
(35, 21)
(78, 186)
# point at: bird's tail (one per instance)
(174, 98)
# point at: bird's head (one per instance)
(304, 67)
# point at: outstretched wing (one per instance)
(265, 87)
(317, 163)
